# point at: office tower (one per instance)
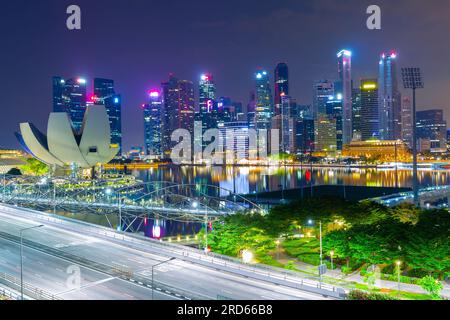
(345, 81)
(105, 94)
(370, 124)
(389, 98)
(321, 91)
(448, 140)
(407, 121)
(325, 133)
(206, 99)
(235, 139)
(356, 113)
(263, 95)
(286, 124)
(304, 135)
(178, 110)
(251, 110)
(300, 111)
(153, 124)
(70, 96)
(58, 89)
(229, 110)
(334, 112)
(431, 130)
(281, 85)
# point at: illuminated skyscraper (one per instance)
(432, 129)
(152, 124)
(70, 96)
(105, 94)
(263, 109)
(325, 133)
(178, 110)
(206, 98)
(389, 98)
(285, 122)
(356, 113)
(370, 124)
(345, 80)
(251, 110)
(322, 90)
(281, 85)
(334, 112)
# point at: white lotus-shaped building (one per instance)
(63, 147)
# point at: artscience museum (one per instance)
(63, 147)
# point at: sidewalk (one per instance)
(356, 277)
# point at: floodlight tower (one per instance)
(412, 79)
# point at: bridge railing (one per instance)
(28, 289)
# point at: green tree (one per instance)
(431, 285)
(35, 167)
(14, 172)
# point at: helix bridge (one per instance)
(127, 201)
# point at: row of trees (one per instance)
(359, 234)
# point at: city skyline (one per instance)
(136, 72)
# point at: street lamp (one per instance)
(154, 266)
(21, 231)
(398, 263)
(278, 248)
(412, 79)
(310, 222)
(331, 255)
(247, 256)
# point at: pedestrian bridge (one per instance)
(430, 198)
(126, 199)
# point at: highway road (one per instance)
(49, 251)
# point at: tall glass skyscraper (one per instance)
(178, 110)
(431, 130)
(263, 109)
(153, 124)
(70, 96)
(345, 80)
(356, 113)
(206, 99)
(281, 85)
(334, 112)
(322, 90)
(389, 98)
(105, 94)
(370, 124)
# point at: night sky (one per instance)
(138, 42)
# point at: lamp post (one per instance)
(21, 231)
(278, 248)
(119, 204)
(412, 79)
(398, 263)
(154, 266)
(310, 222)
(331, 255)
(4, 187)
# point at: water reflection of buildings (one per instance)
(244, 180)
